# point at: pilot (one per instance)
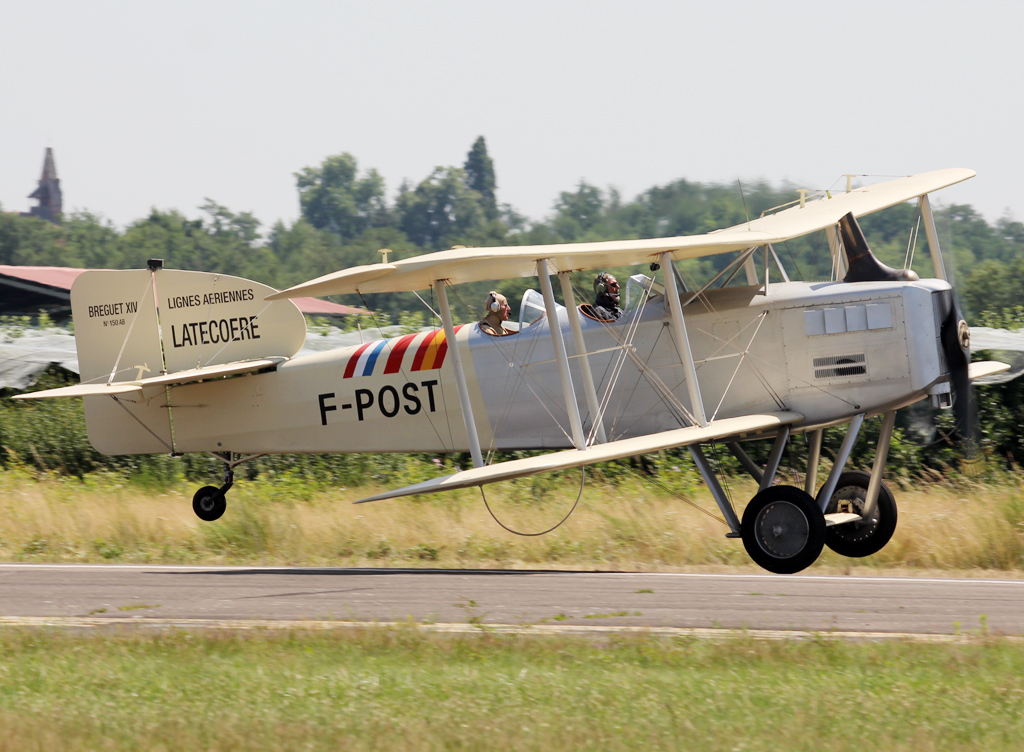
(606, 304)
(497, 308)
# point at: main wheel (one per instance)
(209, 503)
(857, 539)
(783, 529)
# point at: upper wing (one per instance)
(505, 262)
(613, 450)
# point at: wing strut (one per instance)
(578, 437)
(460, 376)
(584, 360)
(826, 491)
(724, 505)
(877, 470)
(933, 237)
(813, 458)
(682, 342)
(768, 476)
(838, 257)
(751, 271)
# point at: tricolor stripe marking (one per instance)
(429, 353)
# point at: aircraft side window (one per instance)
(637, 286)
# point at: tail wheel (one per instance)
(783, 529)
(858, 539)
(209, 503)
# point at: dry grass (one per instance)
(970, 528)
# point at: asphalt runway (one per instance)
(93, 594)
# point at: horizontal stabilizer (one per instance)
(84, 390)
(983, 368)
(613, 450)
(180, 377)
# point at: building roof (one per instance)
(54, 284)
(59, 277)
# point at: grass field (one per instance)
(399, 689)
(404, 689)
(959, 526)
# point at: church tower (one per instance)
(48, 193)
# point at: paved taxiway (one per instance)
(703, 601)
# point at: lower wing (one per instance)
(613, 450)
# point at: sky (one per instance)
(167, 104)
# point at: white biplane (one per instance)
(181, 361)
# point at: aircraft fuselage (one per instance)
(825, 350)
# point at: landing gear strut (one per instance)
(863, 494)
(870, 534)
(210, 502)
(784, 528)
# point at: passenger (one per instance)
(606, 304)
(497, 311)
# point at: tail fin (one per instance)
(137, 323)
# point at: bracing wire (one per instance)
(128, 334)
(583, 479)
(724, 478)
(792, 257)
(528, 376)
(626, 343)
(670, 492)
(435, 314)
(136, 419)
(908, 261)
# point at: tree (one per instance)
(243, 227)
(333, 197)
(30, 241)
(480, 177)
(578, 213)
(440, 209)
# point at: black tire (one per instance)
(783, 529)
(859, 539)
(209, 503)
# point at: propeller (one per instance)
(956, 346)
